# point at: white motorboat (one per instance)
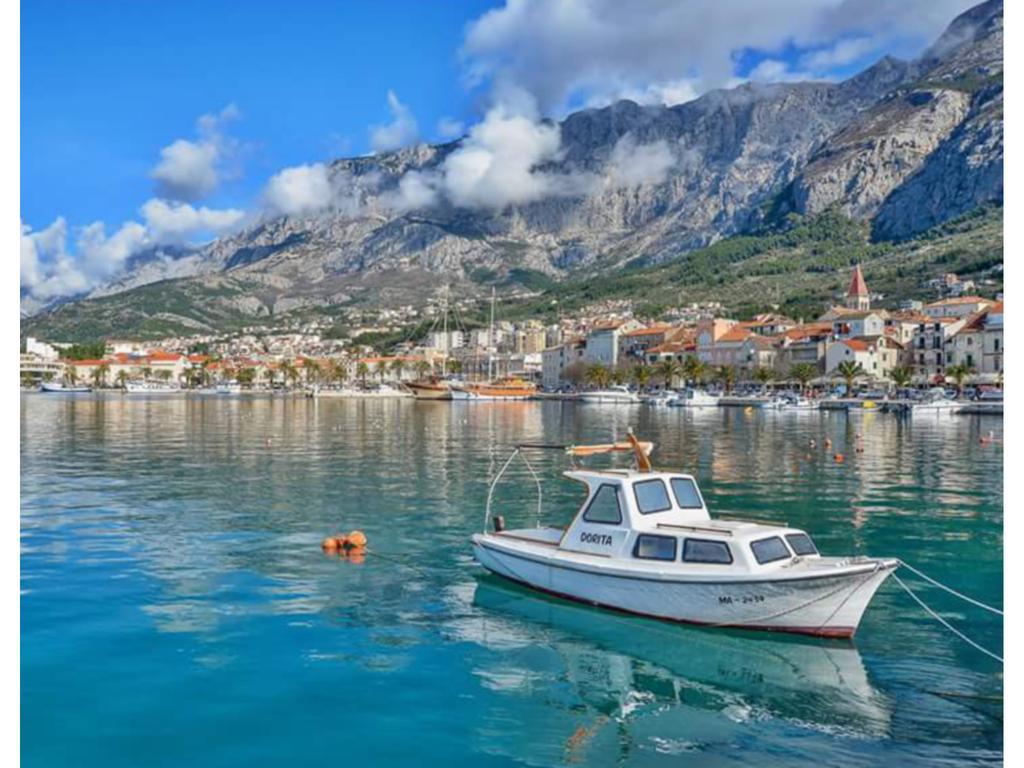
(150, 388)
(614, 394)
(55, 387)
(934, 401)
(228, 388)
(643, 542)
(694, 398)
(658, 399)
(790, 403)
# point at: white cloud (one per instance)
(592, 51)
(843, 52)
(50, 271)
(495, 165)
(174, 222)
(401, 131)
(299, 191)
(449, 128)
(416, 190)
(633, 165)
(188, 169)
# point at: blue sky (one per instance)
(106, 84)
(152, 123)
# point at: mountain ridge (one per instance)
(901, 145)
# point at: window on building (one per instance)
(604, 507)
(651, 547)
(995, 344)
(706, 551)
(651, 496)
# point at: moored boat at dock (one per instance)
(614, 395)
(58, 387)
(643, 542)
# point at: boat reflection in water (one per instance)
(666, 684)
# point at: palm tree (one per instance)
(312, 370)
(849, 371)
(694, 369)
(598, 375)
(763, 375)
(901, 376)
(146, 372)
(802, 373)
(289, 371)
(727, 375)
(397, 366)
(337, 372)
(455, 366)
(422, 369)
(246, 376)
(618, 375)
(381, 369)
(99, 374)
(362, 371)
(641, 375)
(959, 373)
(669, 370)
(71, 374)
(121, 378)
(165, 375)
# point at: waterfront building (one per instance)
(877, 355)
(555, 361)
(979, 344)
(857, 323)
(603, 341)
(709, 331)
(961, 306)
(633, 345)
(929, 357)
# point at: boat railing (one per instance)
(518, 451)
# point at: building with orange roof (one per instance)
(961, 306)
(877, 355)
(978, 344)
(633, 344)
(603, 341)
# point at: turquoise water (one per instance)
(177, 609)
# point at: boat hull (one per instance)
(822, 606)
(429, 390)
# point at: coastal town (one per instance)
(957, 339)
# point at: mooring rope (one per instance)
(951, 591)
(945, 623)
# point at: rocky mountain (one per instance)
(903, 145)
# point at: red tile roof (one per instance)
(858, 287)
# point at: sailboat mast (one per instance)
(444, 326)
(490, 340)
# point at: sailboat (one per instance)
(435, 387)
(504, 388)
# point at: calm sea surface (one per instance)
(177, 610)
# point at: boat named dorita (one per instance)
(643, 542)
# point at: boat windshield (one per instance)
(651, 497)
(686, 493)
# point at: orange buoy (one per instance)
(356, 540)
(357, 556)
(839, 458)
(330, 544)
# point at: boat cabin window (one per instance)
(651, 497)
(651, 547)
(769, 550)
(604, 507)
(706, 551)
(686, 493)
(801, 544)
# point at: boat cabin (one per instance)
(662, 516)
